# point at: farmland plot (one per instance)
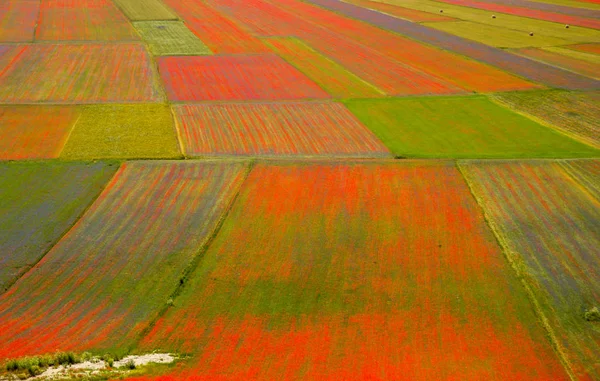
(530, 13)
(576, 114)
(587, 48)
(583, 67)
(355, 271)
(137, 10)
(17, 20)
(219, 33)
(123, 131)
(275, 129)
(549, 225)
(496, 36)
(401, 12)
(525, 24)
(471, 127)
(235, 77)
(521, 66)
(391, 76)
(34, 132)
(328, 74)
(82, 20)
(111, 274)
(80, 73)
(170, 38)
(57, 194)
(458, 70)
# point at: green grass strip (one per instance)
(461, 127)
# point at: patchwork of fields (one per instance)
(302, 189)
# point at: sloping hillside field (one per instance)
(300, 190)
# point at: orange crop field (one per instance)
(34, 132)
(219, 33)
(235, 77)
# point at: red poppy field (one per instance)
(299, 190)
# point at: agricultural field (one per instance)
(288, 310)
(82, 20)
(134, 243)
(259, 129)
(17, 20)
(555, 251)
(203, 190)
(459, 127)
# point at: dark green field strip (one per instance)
(461, 127)
(145, 10)
(39, 202)
(170, 38)
(113, 272)
(546, 214)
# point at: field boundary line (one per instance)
(327, 58)
(178, 133)
(27, 268)
(37, 22)
(71, 131)
(570, 172)
(193, 265)
(515, 262)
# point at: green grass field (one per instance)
(461, 127)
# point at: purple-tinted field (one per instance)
(56, 195)
(94, 73)
(235, 77)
